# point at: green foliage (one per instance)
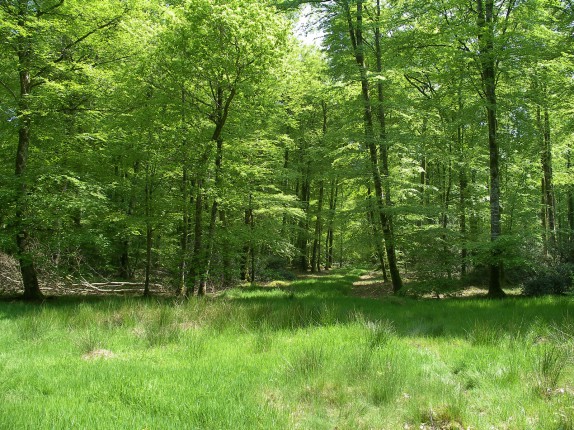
(554, 280)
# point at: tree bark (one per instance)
(356, 33)
(485, 22)
(329, 249)
(186, 200)
(222, 105)
(570, 202)
(149, 227)
(548, 203)
(377, 238)
(304, 225)
(316, 254)
(197, 257)
(23, 240)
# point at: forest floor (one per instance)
(326, 351)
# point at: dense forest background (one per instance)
(198, 143)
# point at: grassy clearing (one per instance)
(308, 355)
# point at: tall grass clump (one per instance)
(379, 333)
(89, 340)
(482, 334)
(31, 327)
(161, 328)
(307, 362)
(550, 363)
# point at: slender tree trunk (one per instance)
(23, 240)
(570, 202)
(548, 205)
(444, 219)
(149, 228)
(247, 246)
(463, 185)
(251, 221)
(377, 237)
(329, 250)
(220, 118)
(196, 259)
(212, 221)
(225, 251)
(304, 225)
(356, 33)
(485, 21)
(316, 254)
(186, 200)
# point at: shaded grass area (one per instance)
(305, 355)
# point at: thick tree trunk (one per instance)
(356, 33)
(23, 240)
(485, 23)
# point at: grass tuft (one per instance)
(307, 362)
(162, 328)
(379, 333)
(549, 367)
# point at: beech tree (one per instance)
(43, 42)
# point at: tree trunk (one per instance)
(304, 225)
(356, 33)
(186, 200)
(225, 251)
(329, 250)
(247, 247)
(23, 240)
(485, 22)
(548, 205)
(444, 221)
(570, 202)
(377, 238)
(149, 227)
(196, 259)
(463, 185)
(316, 254)
(220, 114)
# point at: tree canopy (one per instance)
(199, 143)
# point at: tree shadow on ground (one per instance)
(328, 300)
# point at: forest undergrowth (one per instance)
(306, 354)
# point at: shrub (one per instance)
(557, 280)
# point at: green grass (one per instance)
(304, 356)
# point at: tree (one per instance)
(42, 47)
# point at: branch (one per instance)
(79, 40)
(9, 90)
(88, 34)
(418, 84)
(50, 9)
